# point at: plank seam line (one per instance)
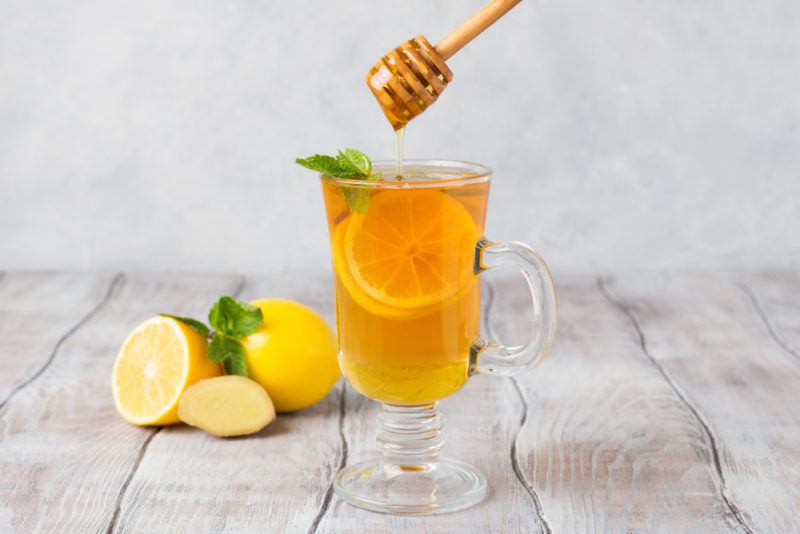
(112, 525)
(762, 313)
(112, 288)
(237, 291)
(712, 441)
(537, 504)
(534, 497)
(326, 500)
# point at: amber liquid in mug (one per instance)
(407, 297)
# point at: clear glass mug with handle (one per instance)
(407, 255)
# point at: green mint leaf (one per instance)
(236, 365)
(320, 163)
(194, 324)
(349, 163)
(235, 318)
(223, 347)
(230, 352)
(328, 166)
(355, 160)
(357, 198)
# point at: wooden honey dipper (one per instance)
(409, 78)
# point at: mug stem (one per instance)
(410, 478)
(410, 433)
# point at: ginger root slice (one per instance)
(226, 406)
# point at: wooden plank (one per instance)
(65, 454)
(276, 480)
(608, 445)
(776, 299)
(706, 337)
(481, 424)
(667, 405)
(38, 311)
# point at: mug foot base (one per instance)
(426, 487)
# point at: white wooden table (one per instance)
(669, 404)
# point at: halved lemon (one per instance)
(157, 362)
(410, 254)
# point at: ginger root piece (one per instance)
(226, 406)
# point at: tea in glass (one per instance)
(407, 296)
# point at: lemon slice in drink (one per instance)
(409, 255)
(157, 362)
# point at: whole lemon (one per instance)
(292, 354)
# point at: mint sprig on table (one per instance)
(350, 164)
(232, 320)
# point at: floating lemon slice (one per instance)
(157, 362)
(409, 255)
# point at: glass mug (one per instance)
(407, 256)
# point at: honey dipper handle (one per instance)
(472, 27)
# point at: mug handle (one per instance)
(493, 358)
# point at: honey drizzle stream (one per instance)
(398, 146)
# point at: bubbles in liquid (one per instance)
(412, 173)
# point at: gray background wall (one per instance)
(625, 134)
